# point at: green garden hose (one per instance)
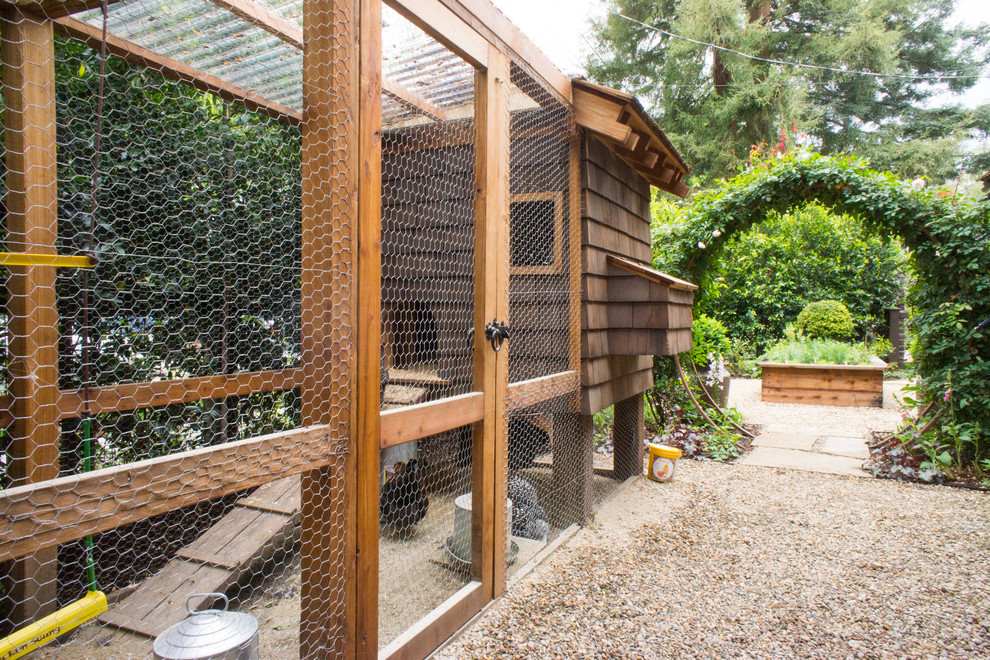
(87, 448)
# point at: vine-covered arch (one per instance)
(949, 242)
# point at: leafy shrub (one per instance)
(719, 444)
(767, 274)
(825, 319)
(722, 444)
(708, 339)
(689, 439)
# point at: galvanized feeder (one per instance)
(210, 635)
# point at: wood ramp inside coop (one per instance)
(259, 527)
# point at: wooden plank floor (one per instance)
(253, 531)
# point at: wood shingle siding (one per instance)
(629, 312)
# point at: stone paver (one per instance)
(826, 439)
(777, 427)
(853, 447)
(791, 459)
(785, 441)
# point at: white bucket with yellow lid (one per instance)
(663, 461)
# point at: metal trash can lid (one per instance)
(205, 634)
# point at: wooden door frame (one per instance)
(334, 364)
(485, 406)
(491, 368)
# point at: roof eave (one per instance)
(619, 120)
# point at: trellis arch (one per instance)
(949, 242)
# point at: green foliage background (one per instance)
(948, 239)
(768, 274)
(197, 235)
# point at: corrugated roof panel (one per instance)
(214, 41)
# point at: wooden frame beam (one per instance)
(55, 8)
(491, 368)
(526, 393)
(261, 16)
(31, 204)
(436, 20)
(493, 25)
(330, 173)
(175, 70)
(427, 634)
(367, 299)
(422, 420)
(151, 394)
(412, 100)
(651, 274)
(576, 213)
(600, 115)
(61, 510)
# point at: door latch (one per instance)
(496, 332)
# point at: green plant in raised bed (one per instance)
(795, 348)
(816, 351)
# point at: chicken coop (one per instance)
(308, 309)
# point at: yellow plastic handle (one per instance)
(31, 259)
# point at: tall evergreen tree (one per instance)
(716, 104)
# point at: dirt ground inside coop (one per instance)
(416, 576)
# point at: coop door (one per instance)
(438, 373)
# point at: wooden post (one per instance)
(895, 332)
(341, 324)
(29, 134)
(331, 175)
(627, 437)
(573, 468)
(491, 300)
(575, 211)
(368, 304)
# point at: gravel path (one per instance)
(744, 395)
(737, 561)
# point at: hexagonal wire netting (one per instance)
(185, 337)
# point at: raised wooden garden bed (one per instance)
(824, 384)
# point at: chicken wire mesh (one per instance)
(559, 461)
(212, 266)
(547, 459)
(185, 336)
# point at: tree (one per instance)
(716, 104)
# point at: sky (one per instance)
(560, 29)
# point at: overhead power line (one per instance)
(786, 63)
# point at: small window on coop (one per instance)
(537, 223)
